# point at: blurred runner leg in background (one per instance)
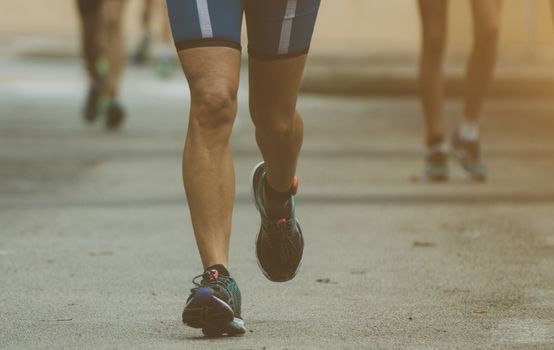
(114, 51)
(90, 13)
(142, 51)
(165, 52)
(103, 51)
(157, 42)
(431, 78)
(481, 64)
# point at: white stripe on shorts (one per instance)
(204, 19)
(286, 29)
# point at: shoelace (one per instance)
(211, 280)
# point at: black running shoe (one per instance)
(90, 111)
(115, 114)
(468, 153)
(280, 244)
(214, 305)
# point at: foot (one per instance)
(214, 305)
(280, 244)
(115, 114)
(90, 112)
(436, 164)
(468, 153)
(140, 56)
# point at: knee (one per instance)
(278, 121)
(434, 44)
(213, 107)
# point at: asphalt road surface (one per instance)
(97, 251)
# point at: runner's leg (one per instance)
(165, 54)
(433, 19)
(278, 51)
(209, 178)
(274, 86)
(141, 52)
(147, 15)
(113, 46)
(480, 69)
(166, 30)
(431, 80)
(208, 172)
(466, 139)
(90, 14)
(207, 37)
(552, 9)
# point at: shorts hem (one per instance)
(191, 44)
(266, 57)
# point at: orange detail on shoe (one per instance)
(281, 221)
(294, 188)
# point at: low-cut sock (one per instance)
(222, 270)
(468, 130)
(277, 204)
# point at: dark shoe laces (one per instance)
(212, 279)
(279, 232)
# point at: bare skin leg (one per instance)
(146, 14)
(166, 29)
(208, 172)
(90, 21)
(274, 89)
(112, 41)
(480, 69)
(141, 53)
(552, 9)
(431, 76)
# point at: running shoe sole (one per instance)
(253, 195)
(212, 314)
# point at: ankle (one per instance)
(274, 195)
(277, 204)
